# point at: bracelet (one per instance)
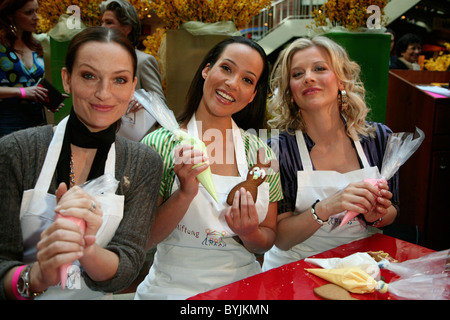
(314, 215)
(23, 94)
(375, 223)
(14, 281)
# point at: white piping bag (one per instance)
(400, 146)
(165, 117)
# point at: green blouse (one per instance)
(162, 140)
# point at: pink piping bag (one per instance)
(64, 268)
(95, 187)
(399, 147)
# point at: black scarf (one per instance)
(79, 135)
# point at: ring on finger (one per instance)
(93, 207)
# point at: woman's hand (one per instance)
(134, 106)
(79, 204)
(186, 157)
(360, 197)
(242, 217)
(383, 202)
(64, 241)
(36, 93)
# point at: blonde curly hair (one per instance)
(285, 113)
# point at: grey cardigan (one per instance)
(138, 170)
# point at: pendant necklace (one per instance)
(71, 172)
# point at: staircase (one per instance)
(287, 19)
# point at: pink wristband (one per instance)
(14, 281)
(23, 94)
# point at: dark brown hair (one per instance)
(254, 114)
(98, 34)
(7, 36)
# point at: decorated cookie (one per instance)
(256, 175)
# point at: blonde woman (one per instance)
(326, 149)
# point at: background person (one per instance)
(121, 14)
(408, 49)
(21, 66)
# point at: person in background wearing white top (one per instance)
(326, 150)
(203, 244)
(41, 170)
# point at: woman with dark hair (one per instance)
(21, 66)
(41, 169)
(203, 244)
(408, 49)
(252, 116)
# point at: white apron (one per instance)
(314, 185)
(37, 213)
(201, 254)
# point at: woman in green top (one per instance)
(203, 244)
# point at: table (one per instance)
(292, 282)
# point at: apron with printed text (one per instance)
(37, 213)
(318, 185)
(201, 253)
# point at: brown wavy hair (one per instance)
(7, 36)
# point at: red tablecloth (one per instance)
(292, 282)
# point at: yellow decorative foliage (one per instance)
(50, 11)
(172, 12)
(350, 14)
(176, 12)
(439, 63)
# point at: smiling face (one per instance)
(412, 52)
(230, 84)
(101, 83)
(313, 83)
(26, 18)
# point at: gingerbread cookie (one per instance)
(256, 175)
(332, 291)
(381, 255)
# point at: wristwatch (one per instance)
(24, 284)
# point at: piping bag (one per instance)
(427, 277)
(399, 147)
(165, 117)
(421, 287)
(101, 185)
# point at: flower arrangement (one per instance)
(441, 62)
(50, 10)
(153, 42)
(349, 14)
(175, 12)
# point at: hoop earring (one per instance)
(343, 99)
